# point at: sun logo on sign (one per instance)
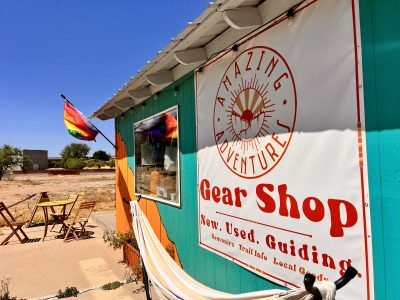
(255, 112)
(249, 112)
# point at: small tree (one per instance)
(10, 157)
(27, 163)
(101, 155)
(75, 150)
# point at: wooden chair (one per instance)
(14, 225)
(80, 219)
(60, 217)
(42, 197)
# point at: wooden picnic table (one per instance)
(51, 204)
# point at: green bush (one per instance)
(75, 163)
(54, 164)
(93, 164)
(111, 163)
(117, 240)
(68, 292)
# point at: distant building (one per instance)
(39, 158)
(54, 161)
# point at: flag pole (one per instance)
(115, 147)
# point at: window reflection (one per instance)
(156, 157)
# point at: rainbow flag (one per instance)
(164, 126)
(77, 124)
(171, 131)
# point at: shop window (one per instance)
(157, 157)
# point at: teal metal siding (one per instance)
(181, 223)
(380, 35)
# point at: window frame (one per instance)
(178, 175)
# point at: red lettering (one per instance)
(283, 125)
(283, 197)
(277, 83)
(264, 165)
(221, 100)
(227, 196)
(243, 165)
(250, 53)
(271, 151)
(230, 154)
(337, 223)
(259, 63)
(205, 189)
(343, 214)
(226, 81)
(268, 203)
(234, 161)
(344, 265)
(275, 138)
(216, 192)
(237, 70)
(219, 135)
(270, 241)
(327, 261)
(316, 214)
(223, 146)
(272, 64)
(238, 196)
(252, 162)
(282, 247)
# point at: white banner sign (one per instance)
(282, 174)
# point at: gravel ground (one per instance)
(97, 186)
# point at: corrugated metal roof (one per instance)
(213, 31)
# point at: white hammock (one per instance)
(171, 282)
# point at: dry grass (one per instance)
(99, 187)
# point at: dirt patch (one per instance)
(98, 186)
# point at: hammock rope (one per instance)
(172, 282)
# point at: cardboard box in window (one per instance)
(142, 180)
(168, 182)
(155, 178)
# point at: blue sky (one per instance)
(86, 50)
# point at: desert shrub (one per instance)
(68, 292)
(54, 163)
(93, 164)
(74, 163)
(112, 285)
(135, 275)
(117, 240)
(5, 291)
(111, 163)
(9, 175)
